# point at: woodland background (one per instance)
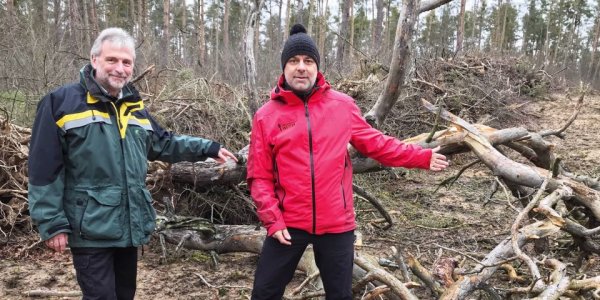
(44, 43)
(494, 63)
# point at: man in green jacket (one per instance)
(88, 158)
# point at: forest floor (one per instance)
(452, 222)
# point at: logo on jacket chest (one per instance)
(285, 124)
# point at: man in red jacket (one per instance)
(300, 173)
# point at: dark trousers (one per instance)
(334, 256)
(106, 273)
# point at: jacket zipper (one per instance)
(124, 192)
(343, 175)
(312, 167)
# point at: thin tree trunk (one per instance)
(309, 23)
(57, 28)
(378, 28)
(399, 65)
(344, 33)
(286, 27)
(166, 36)
(280, 33)
(350, 46)
(460, 33)
(546, 48)
(217, 45)
(93, 18)
(299, 14)
(594, 46)
(504, 21)
(140, 19)
(86, 22)
(184, 34)
(200, 32)
(470, 42)
(75, 24)
(226, 25)
(250, 62)
(323, 30)
(132, 12)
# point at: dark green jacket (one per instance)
(88, 161)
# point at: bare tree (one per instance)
(93, 18)
(200, 32)
(323, 10)
(594, 47)
(86, 22)
(226, 10)
(460, 32)
(286, 27)
(250, 62)
(309, 22)
(344, 33)
(378, 27)
(166, 38)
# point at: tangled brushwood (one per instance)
(14, 142)
(482, 90)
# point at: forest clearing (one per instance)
(507, 91)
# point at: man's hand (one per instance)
(224, 154)
(438, 161)
(58, 242)
(283, 236)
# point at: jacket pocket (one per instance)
(148, 213)
(342, 184)
(102, 217)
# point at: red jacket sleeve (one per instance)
(385, 149)
(261, 178)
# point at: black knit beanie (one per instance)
(299, 43)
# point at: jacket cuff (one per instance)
(47, 234)
(213, 150)
(279, 225)
(427, 159)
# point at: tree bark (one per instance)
(309, 22)
(595, 40)
(322, 30)
(286, 26)
(86, 23)
(94, 18)
(398, 66)
(460, 32)
(378, 27)
(201, 33)
(344, 33)
(226, 11)
(166, 36)
(250, 63)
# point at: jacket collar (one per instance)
(86, 79)
(279, 93)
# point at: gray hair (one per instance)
(115, 36)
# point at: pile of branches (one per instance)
(482, 90)
(208, 109)
(13, 179)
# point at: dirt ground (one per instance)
(451, 222)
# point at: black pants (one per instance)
(334, 256)
(106, 273)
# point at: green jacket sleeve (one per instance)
(46, 172)
(168, 147)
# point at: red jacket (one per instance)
(299, 169)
